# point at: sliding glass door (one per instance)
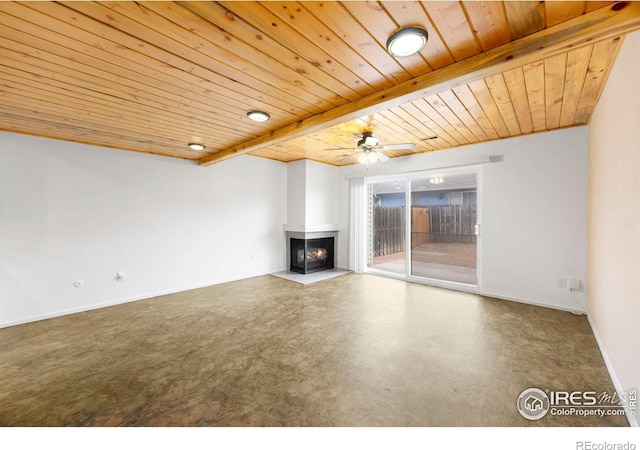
(443, 227)
(435, 237)
(387, 226)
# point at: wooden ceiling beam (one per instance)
(605, 23)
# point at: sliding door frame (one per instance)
(368, 181)
(407, 178)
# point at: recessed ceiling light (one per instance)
(195, 146)
(258, 116)
(407, 41)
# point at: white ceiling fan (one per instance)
(370, 151)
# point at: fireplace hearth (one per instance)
(311, 255)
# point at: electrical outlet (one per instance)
(121, 276)
(562, 282)
(574, 284)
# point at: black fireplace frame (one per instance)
(305, 244)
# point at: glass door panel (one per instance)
(443, 224)
(387, 226)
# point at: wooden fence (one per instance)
(453, 223)
(420, 225)
(388, 230)
(440, 223)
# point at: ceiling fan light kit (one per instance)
(368, 157)
(369, 150)
(407, 41)
(368, 140)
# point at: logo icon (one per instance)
(533, 404)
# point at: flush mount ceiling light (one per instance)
(407, 41)
(258, 116)
(195, 146)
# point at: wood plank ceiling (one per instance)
(153, 76)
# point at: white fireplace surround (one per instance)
(310, 228)
(310, 232)
(312, 204)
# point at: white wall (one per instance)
(614, 218)
(296, 193)
(534, 213)
(70, 212)
(321, 194)
(312, 197)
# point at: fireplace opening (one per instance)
(311, 255)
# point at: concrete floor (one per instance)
(355, 350)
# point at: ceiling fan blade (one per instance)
(382, 157)
(407, 146)
(347, 157)
(341, 148)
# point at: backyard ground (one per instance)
(439, 260)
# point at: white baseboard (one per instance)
(120, 301)
(616, 383)
(470, 289)
(534, 303)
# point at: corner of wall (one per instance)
(630, 414)
(614, 218)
